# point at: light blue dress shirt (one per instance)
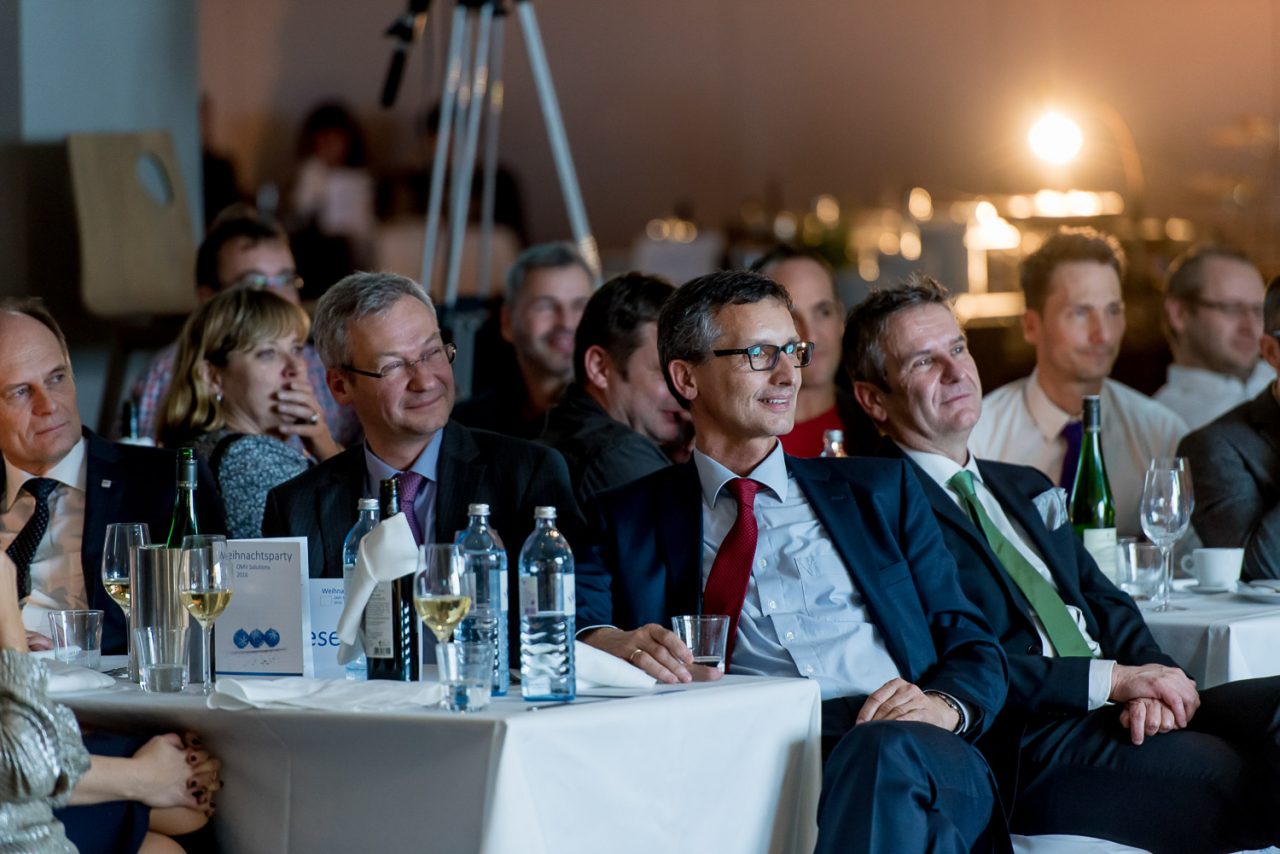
(802, 615)
(424, 503)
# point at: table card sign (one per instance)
(328, 595)
(266, 630)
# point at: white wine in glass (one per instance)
(121, 538)
(441, 592)
(442, 613)
(205, 590)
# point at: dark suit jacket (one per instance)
(1235, 466)
(1040, 687)
(878, 522)
(128, 483)
(511, 475)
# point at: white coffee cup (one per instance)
(1214, 568)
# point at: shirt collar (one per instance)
(942, 468)
(771, 473)
(71, 470)
(426, 464)
(1046, 415)
(1207, 381)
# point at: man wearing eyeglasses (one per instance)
(1213, 319)
(829, 569)
(380, 340)
(247, 249)
(1235, 466)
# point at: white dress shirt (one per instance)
(57, 575)
(941, 469)
(1019, 424)
(802, 615)
(1200, 395)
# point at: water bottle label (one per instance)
(503, 586)
(570, 596)
(528, 595)
(1100, 543)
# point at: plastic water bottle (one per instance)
(486, 557)
(546, 612)
(358, 668)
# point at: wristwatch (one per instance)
(955, 706)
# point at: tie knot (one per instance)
(40, 487)
(962, 483)
(744, 489)
(410, 485)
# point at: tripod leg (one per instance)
(453, 77)
(556, 137)
(467, 156)
(495, 95)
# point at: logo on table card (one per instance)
(256, 638)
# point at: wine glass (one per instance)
(205, 589)
(442, 589)
(1165, 514)
(120, 538)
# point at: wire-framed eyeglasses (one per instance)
(403, 368)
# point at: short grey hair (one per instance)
(544, 256)
(355, 297)
(868, 323)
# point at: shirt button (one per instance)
(791, 635)
(1032, 649)
(808, 668)
(772, 605)
(762, 563)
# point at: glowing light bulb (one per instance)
(1055, 138)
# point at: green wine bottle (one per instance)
(390, 625)
(1093, 510)
(185, 522)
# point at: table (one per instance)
(1219, 637)
(730, 766)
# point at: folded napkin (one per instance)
(66, 678)
(297, 692)
(1266, 584)
(598, 669)
(386, 553)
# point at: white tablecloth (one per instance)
(1219, 637)
(732, 766)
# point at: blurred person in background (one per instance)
(331, 207)
(245, 249)
(1213, 319)
(547, 289)
(821, 404)
(618, 411)
(1075, 321)
(239, 358)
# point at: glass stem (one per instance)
(1166, 583)
(206, 663)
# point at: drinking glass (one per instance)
(205, 589)
(443, 591)
(1165, 514)
(120, 538)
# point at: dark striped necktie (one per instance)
(23, 547)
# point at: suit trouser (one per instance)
(894, 786)
(1211, 787)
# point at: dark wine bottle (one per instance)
(390, 626)
(1093, 510)
(185, 523)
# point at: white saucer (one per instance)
(1269, 595)
(1200, 588)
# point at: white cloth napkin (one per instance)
(598, 669)
(66, 678)
(386, 553)
(333, 694)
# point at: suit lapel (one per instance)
(679, 514)
(104, 502)
(460, 467)
(336, 504)
(1264, 416)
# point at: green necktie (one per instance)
(1064, 634)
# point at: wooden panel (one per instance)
(136, 250)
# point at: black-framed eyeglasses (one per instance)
(764, 357)
(288, 280)
(403, 368)
(1233, 310)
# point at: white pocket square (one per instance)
(1052, 507)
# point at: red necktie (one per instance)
(727, 584)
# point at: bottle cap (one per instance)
(477, 509)
(367, 504)
(544, 512)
